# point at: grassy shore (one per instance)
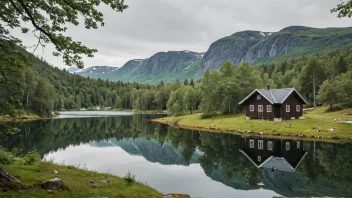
(77, 180)
(318, 123)
(22, 117)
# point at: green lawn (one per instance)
(318, 118)
(77, 180)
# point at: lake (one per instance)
(201, 164)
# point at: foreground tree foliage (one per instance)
(343, 9)
(50, 19)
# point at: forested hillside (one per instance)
(42, 88)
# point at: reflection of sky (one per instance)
(165, 178)
(86, 114)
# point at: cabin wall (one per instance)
(264, 153)
(292, 100)
(255, 114)
(295, 152)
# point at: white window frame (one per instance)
(260, 108)
(259, 97)
(260, 144)
(251, 108)
(270, 145)
(287, 146)
(298, 144)
(288, 108)
(298, 108)
(268, 108)
(251, 143)
(259, 158)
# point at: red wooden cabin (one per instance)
(274, 104)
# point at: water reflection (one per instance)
(186, 161)
(274, 154)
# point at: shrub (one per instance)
(205, 116)
(31, 158)
(56, 113)
(6, 157)
(129, 178)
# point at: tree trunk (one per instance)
(314, 102)
(27, 97)
(7, 181)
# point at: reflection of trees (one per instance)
(50, 135)
(336, 161)
(325, 173)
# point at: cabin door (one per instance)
(292, 111)
(260, 111)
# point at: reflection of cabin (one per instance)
(276, 104)
(284, 155)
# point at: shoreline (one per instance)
(80, 182)
(236, 124)
(22, 118)
(253, 133)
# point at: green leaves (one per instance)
(343, 9)
(51, 19)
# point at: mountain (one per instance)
(95, 71)
(72, 69)
(265, 47)
(162, 66)
(252, 46)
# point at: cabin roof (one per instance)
(279, 163)
(274, 96)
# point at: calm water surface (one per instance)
(207, 165)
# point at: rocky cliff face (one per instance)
(261, 47)
(166, 66)
(125, 71)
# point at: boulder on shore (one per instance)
(53, 185)
(7, 181)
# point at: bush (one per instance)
(6, 157)
(31, 158)
(129, 178)
(205, 116)
(56, 113)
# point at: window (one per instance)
(260, 108)
(287, 146)
(287, 108)
(259, 97)
(298, 144)
(268, 108)
(259, 158)
(251, 108)
(251, 143)
(298, 108)
(260, 144)
(270, 145)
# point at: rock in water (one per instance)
(53, 185)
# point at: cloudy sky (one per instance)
(150, 26)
